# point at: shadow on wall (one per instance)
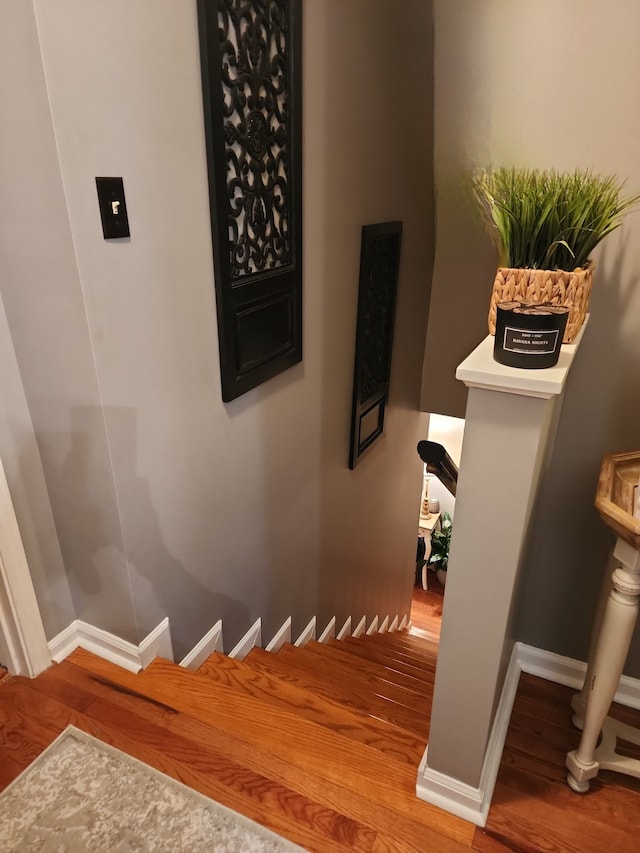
(115, 552)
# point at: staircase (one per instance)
(320, 743)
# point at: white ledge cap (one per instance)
(479, 370)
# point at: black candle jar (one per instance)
(529, 335)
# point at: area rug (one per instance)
(83, 795)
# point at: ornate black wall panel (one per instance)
(379, 259)
(250, 57)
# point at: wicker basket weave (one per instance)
(571, 289)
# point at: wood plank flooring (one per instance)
(310, 743)
(426, 609)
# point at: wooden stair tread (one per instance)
(329, 755)
(355, 724)
(355, 663)
(364, 648)
(395, 645)
(373, 680)
(366, 658)
(381, 679)
(349, 692)
(432, 636)
(424, 649)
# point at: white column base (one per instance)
(456, 797)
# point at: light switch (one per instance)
(113, 208)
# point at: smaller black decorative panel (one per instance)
(379, 259)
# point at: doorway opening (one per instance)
(440, 454)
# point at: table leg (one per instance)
(604, 672)
(427, 554)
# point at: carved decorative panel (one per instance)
(250, 55)
(379, 259)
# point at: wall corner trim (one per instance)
(252, 638)
(21, 620)
(112, 648)
(210, 643)
(455, 796)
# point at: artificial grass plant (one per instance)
(546, 219)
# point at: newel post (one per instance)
(510, 427)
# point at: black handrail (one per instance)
(439, 462)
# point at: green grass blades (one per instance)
(546, 219)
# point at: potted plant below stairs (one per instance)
(546, 224)
(440, 546)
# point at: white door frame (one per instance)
(21, 629)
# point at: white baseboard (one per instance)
(394, 624)
(309, 633)
(252, 638)
(373, 628)
(360, 627)
(403, 622)
(329, 632)
(282, 636)
(448, 793)
(157, 644)
(210, 643)
(457, 797)
(345, 631)
(571, 673)
(384, 626)
(127, 655)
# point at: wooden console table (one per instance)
(617, 501)
(426, 525)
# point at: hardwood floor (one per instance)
(322, 744)
(426, 609)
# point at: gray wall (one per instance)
(511, 89)
(165, 500)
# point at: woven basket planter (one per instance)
(570, 289)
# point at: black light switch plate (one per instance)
(113, 208)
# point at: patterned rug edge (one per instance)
(244, 823)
